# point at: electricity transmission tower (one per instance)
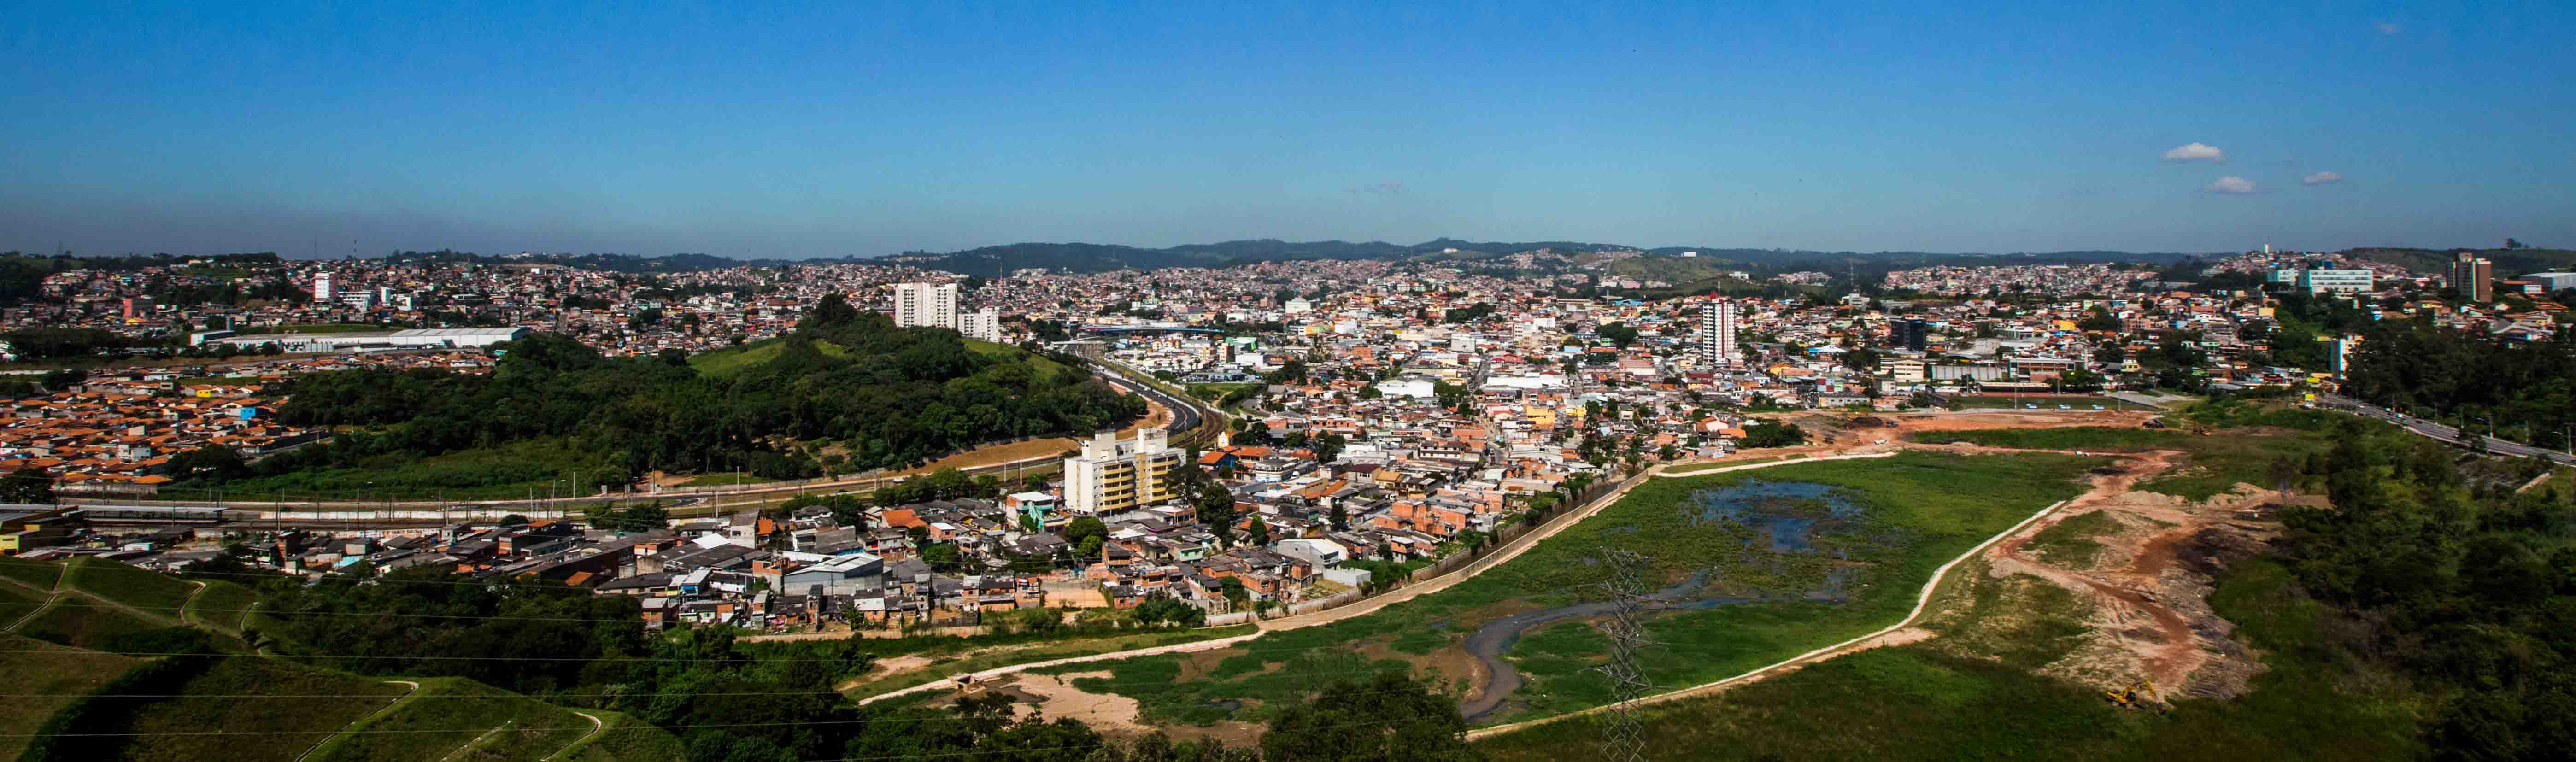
(1622, 738)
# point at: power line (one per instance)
(1623, 737)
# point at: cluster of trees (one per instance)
(890, 396)
(2450, 577)
(62, 343)
(637, 518)
(1764, 432)
(2525, 392)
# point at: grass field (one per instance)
(222, 606)
(305, 706)
(2070, 543)
(41, 574)
(626, 739)
(414, 728)
(134, 586)
(734, 360)
(17, 602)
(84, 623)
(2218, 461)
(44, 678)
(1919, 511)
(1918, 702)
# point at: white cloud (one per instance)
(2231, 184)
(2321, 178)
(2387, 28)
(2197, 152)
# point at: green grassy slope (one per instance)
(733, 360)
(195, 708)
(17, 602)
(44, 678)
(41, 574)
(134, 586)
(625, 739)
(84, 623)
(457, 719)
(222, 606)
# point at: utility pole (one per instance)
(1623, 738)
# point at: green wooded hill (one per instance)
(553, 409)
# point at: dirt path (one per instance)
(51, 595)
(596, 727)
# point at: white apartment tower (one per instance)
(1717, 334)
(985, 324)
(1111, 476)
(925, 304)
(322, 287)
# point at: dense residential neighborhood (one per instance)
(1381, 416)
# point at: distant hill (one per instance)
(1077, 257)
(2508, 262)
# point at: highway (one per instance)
(2441, 432)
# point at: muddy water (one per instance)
(1783, 513)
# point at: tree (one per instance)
(1260, 533)
(27, 486)
(1215, 507)
(1086, 534)
(1390, 717)
(1619, 334)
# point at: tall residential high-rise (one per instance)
(1111, 476)
(2474, 277)
(322, 287)
(985, 324)
(1717, 334)
(925, 304)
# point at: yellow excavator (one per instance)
(2139, 695)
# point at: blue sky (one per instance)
(840, 129)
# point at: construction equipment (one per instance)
(2139, 695)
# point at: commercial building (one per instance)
(415, 338)
(2474, 277)
(1111, 476)
(2553, 281)
(926, 305)
(2335, 281)
(1717, 344)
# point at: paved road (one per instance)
(2443, 433)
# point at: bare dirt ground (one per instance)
(2149, 583)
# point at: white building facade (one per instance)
(1717, 344)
